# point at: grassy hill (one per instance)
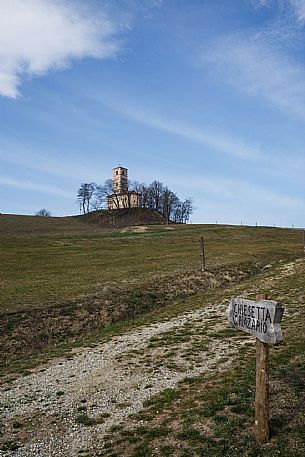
(62, 279)
(124, 217)
(68, 282)
(50, 260)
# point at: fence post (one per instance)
(202, 254)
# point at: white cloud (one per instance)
(261, 3)
(296, 7)
(40, 35)
(34, 186)
(299, 9)
(241, 191)
(26, 157)
(292, 9)
(259, 65)
(263, 62)
(236, 147)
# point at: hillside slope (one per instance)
(64, 280)
(48, 261)
(125, 217)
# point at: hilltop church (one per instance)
(121, 197)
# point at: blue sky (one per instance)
(207, 96)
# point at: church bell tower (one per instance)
(120, 180)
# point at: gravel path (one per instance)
(107, 383)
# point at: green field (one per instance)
(51, 260)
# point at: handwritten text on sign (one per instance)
(261, 318)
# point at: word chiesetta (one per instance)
(261, 318)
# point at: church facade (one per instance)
(121, 196)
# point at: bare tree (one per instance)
(169, 201)
(43, 212)
(90, 192)
(99, 198)
(187, 210)
(81, 198)
(177, 213)
(84, 196)
(182, 211)
(141, 189)
(155, 195)
(144, 192)
(161, 198)
(108, 190)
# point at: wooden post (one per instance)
(262, 389)
(202, 254)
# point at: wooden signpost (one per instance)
(262, 318)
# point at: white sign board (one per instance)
(261, 318)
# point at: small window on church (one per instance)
(117, 172)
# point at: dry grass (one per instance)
(50, 260)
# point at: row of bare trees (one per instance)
(159, 197)
(156, 196)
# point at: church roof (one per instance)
(120, 166)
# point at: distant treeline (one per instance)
(156, 196)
